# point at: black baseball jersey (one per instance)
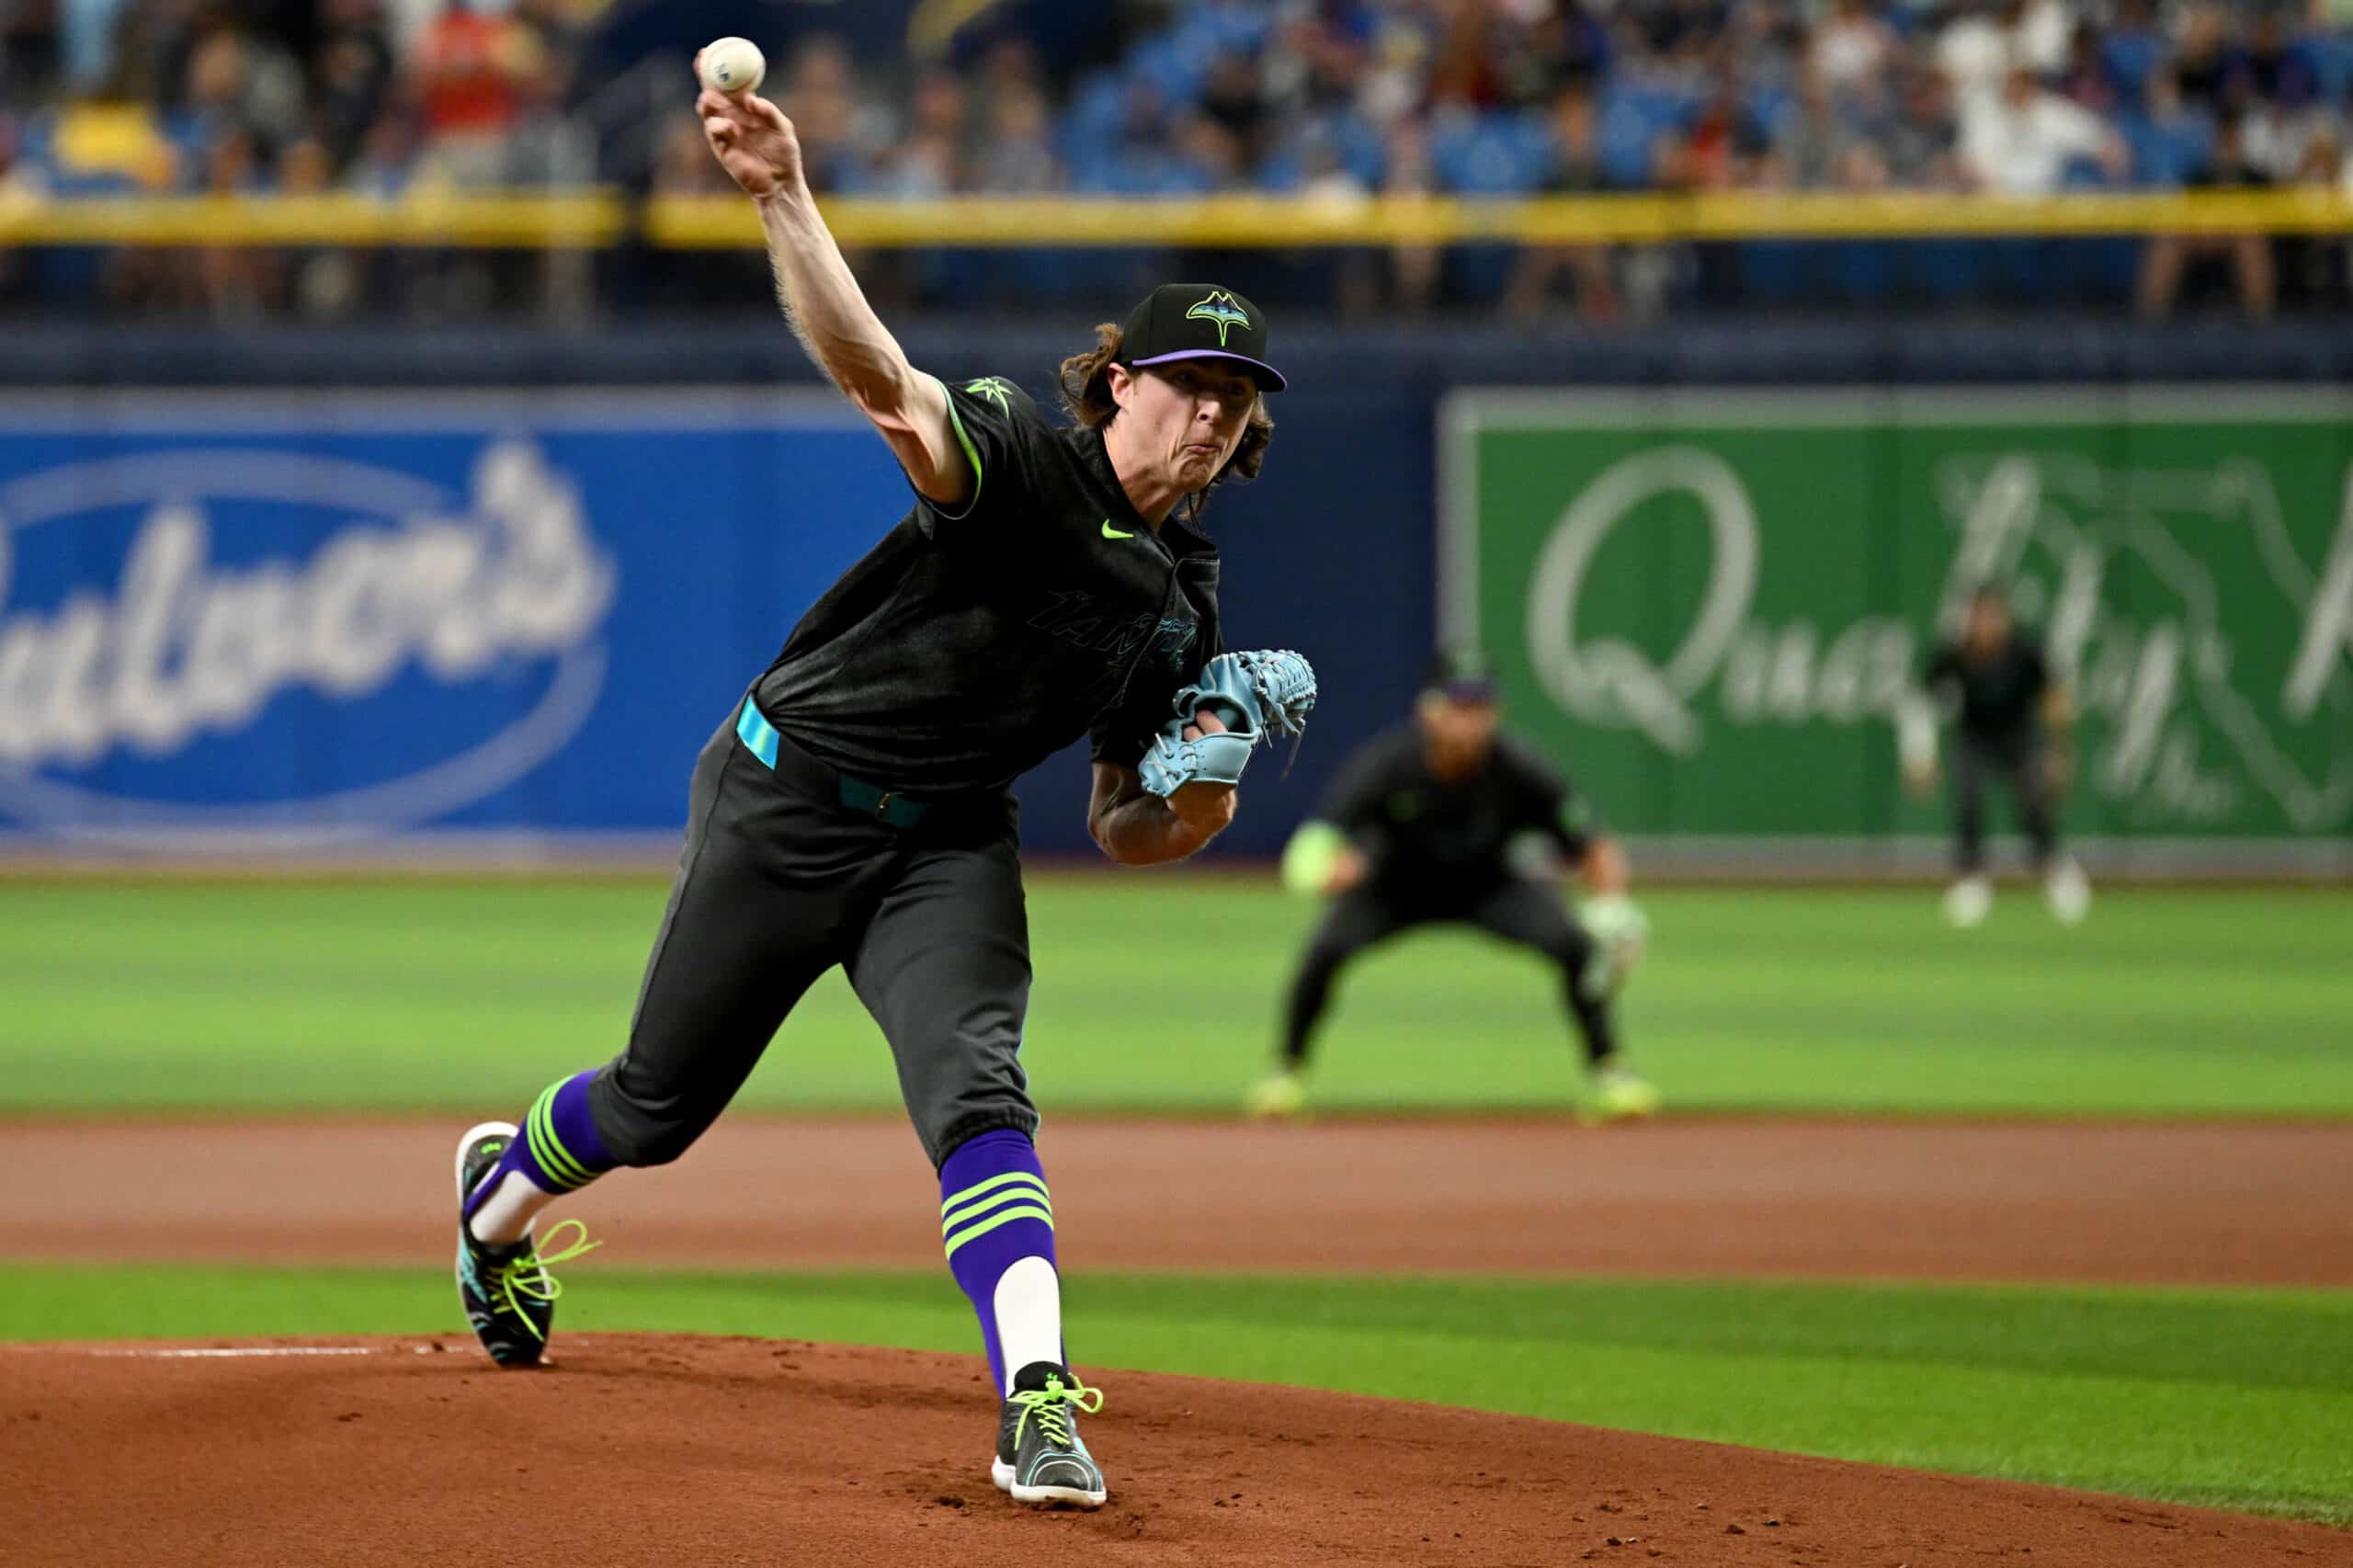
(973, 643)
(2000, 698)
(1427, 835)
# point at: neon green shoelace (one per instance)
(1047, 1404)
(529, 1276)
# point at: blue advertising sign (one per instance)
(293, 621)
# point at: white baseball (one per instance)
(734, 65)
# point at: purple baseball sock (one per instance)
(558, 1151)
(994, 1213)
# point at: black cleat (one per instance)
(1040, 1458)
(508, 1294)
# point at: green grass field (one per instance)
(439, 994)
(2116, 1391)
(364, 996)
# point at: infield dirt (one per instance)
(643, 1449)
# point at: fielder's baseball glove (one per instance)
(1257, 695)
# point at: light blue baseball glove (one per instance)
(1255, 694)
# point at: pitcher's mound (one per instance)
(648, 1450)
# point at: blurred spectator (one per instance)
(1566, 46)
(32, 51)
(319, 282)
(1469, 69)
(1408, 172)
(1017, 155)
(1234, 100)
(1395, 78)
(2276, 70)
(1317, 60)
(2248, 255)
(2318, 268)
(1974, 53)
(386, 156)
(2085, 80)
(929, 162)
(352, 77)
(1334, 99)
(2173, 139)
(1721, 146)
(17, 183)
(2206, 61)
(233, 282)
(1851, 50)
(235, 84)
(1920, 146)
(2027, 142)
(545, 148)
(1211, 156)
(468, 74)
(2041, 34)
(2132, 49)
(1813, 141)
(820, 87)
(1576, 170)
(683, 164)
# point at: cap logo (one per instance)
(1220, 308)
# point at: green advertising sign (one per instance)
(1709, 606)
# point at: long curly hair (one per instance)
(1085, 383)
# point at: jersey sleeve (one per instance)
(998, 428)
(2037, 667)
(1550, 803)
(1125, 736)
(1572, 823)
(1941, 674)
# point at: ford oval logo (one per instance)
(454, 638)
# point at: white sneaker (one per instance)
(2068, 891)
(1967, 901)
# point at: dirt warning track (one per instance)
(2130, 1203)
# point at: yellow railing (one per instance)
(598, 219)
(584, 221)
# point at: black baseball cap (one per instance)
(1197, 321)
(1460, 675)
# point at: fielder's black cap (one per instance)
(1199, 321)
(1461, 675)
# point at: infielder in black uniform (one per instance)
(2014, 725)
(1049, 583)
(1430, 822)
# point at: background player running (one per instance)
(2014, 725)
(853, 810)
(1429, 822)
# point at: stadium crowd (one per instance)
(1337, 98)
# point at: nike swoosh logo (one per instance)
(1111, 532)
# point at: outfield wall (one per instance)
(496, 603)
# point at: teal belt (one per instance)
(759, 738)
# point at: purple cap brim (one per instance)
(1269, 378)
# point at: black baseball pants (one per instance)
(780, 881)
(1529, 914)
(1977, 765)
